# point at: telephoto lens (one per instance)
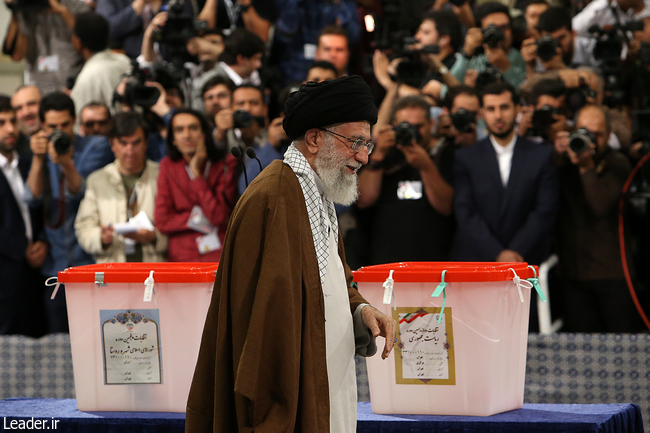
(580, 141)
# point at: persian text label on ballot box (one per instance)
(131, 343)
(424, 353)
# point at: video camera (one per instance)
(137, 93)
(608, 48)
(412, 70)
(173, 37)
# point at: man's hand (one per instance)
(57, 7)
(142, 236)
(198, 160)
(38, 144)
(416, 155)
(63, 160)
(223, 121)
(158, 22)
(36, 253)
(161, 108)
(473, 40)
(380, 324)
(497, 57)
(276, 132)
(107, 236)
(509, 256)
(385, 140)
(380, 65)
(526, 121)
(470, 77)
(529, 51)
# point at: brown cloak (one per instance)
(262, 362)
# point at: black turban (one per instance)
(316, 105)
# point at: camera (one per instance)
(576, 97)
(580, 140)
(543, 117)
(463, 120)
(547, 47)
(61, 141)
(173, 37)
(492, 35)
(136, 93)
(242, 119)
(489, 75)
(412, 70)
(405, 133)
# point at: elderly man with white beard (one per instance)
(285, 321)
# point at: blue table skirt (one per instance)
(533, 418)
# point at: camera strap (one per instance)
(233, 11)
(60, 214)
(618, 23)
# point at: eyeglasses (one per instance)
(357, 144)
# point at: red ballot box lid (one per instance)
(177, 272)
(457, 272)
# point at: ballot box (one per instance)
(461, 336)
(135, 332)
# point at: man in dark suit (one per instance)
(506, 190)
(21, 253)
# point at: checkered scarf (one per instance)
(306, 176)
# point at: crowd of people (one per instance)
(506, 132)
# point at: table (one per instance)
(532, 418)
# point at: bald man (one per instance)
(278, 347)
(594, 293)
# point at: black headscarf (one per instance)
(316, 105)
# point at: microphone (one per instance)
(236, 152)
(251, 154)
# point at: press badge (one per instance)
(48, 63)
(208, 243)
(309, 51)
(409, 190)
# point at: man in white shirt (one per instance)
(240, 60)
(21, 301)
(103, 69)
(505, 189)
(608, 12)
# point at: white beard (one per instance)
(339, 185)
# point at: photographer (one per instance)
(532, 9)
(60, 164)
(240, 60)
(127, 20)
(495, 37)
(217, 95)
(246, 125)
(103, 69)
(441, 29)
(591, 178)
(41, 33)
(608, 12)
(546, 117)
(558, 47)
(462, 106)
(407, 189)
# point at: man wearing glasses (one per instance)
(284, 323)
(95, 119)
(407, 187)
